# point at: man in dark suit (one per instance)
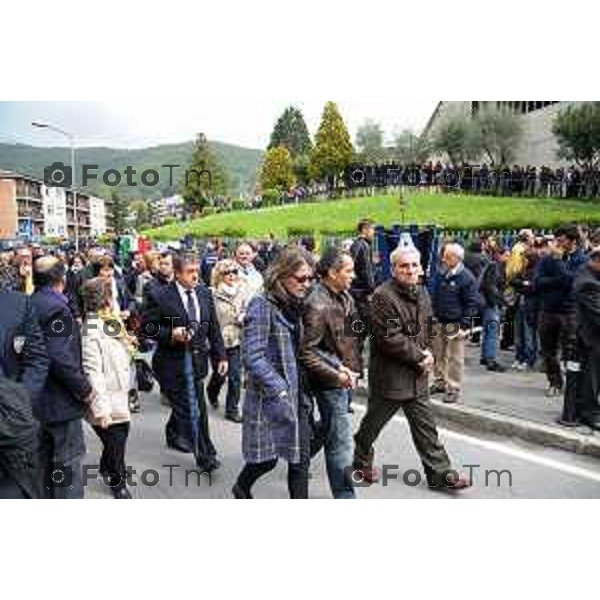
(67, 392)
(183, 321)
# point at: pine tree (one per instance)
(277, 171)
(118, 213)
(291, 131)
(333, 150)
(205, 178)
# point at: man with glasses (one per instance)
(399, 363)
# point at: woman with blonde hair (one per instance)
(107, 352)
(229, 297)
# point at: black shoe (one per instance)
(214, 403)
(495, 366)
(179, 447)
(234, 418)
(240, 494)
(483, 362)
(135, 406)
(208, 465)
(121, 493)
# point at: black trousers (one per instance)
(558, 332)
(590, 382)
(112, 462)
(421, 422)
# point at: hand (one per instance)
(222, 368)
(125, 315)
(428, 361)
(180, 335)
(347, 378)
(104, 422)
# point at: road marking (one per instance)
(513, 452)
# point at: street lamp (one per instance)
(71, 139)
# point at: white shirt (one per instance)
(183, 294)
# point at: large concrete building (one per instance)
(538, 145)
(31, 210)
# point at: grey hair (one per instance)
(455, 249)
(401, 251)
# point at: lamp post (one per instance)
(71, 139)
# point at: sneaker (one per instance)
(451, 397)
(553, 391)
(135, 406)
(495, 366)
(438, 387)
(515, 366)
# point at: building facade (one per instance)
(31, 210)
(538, 145)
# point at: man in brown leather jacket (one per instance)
(399, 364)
(332, 363)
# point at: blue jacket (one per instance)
(23, 355)
(455, 298)
(62, 398)
(553, 282)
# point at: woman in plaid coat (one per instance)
(275, 419)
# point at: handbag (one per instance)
(144, 375)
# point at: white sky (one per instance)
(138, 124)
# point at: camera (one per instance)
(58, 475)
(58, 175)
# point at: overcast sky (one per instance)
(139, 124)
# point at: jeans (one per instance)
(490, 324)
(557, 336)
(234, 381)
(335, 428)
(525, 338)
(61, 449)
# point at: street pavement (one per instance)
(537, 472)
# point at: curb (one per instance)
(581, 440)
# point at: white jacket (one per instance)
(107, 364)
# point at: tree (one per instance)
(499, 134)
(206, 178)
(458, 138)
(369, 141)
(333, 150)
(118, 213)
(410, 149)
(277, 170)
(577, 131)
(291, 131)
(141, 213)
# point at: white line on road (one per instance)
(513, 452)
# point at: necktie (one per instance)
(191, 307)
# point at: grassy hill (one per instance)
(241, 164)
(341, 216)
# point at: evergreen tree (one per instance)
(206, 178)
(277, 171)
(333, 150)
(291, 131)
(118, 213)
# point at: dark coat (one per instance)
(168, 312)
(364, 283)
(400, 335)
(587, 298)
(327, 333)
(271, 426)
(27, 364)
(455, 297)
(67, 386)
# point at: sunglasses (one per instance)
(231, 272)
(304, 278)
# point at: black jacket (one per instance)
(364, 283)
(587, 300)
(67, 386)
(23, 355)
(168, 312)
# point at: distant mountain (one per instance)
(241, 164)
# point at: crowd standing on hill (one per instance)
(82, 336)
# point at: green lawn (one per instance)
(341, 216)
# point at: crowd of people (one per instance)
(275, 325)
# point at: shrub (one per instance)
(238, 205)
(271, 197)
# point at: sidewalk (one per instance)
(512, 404)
